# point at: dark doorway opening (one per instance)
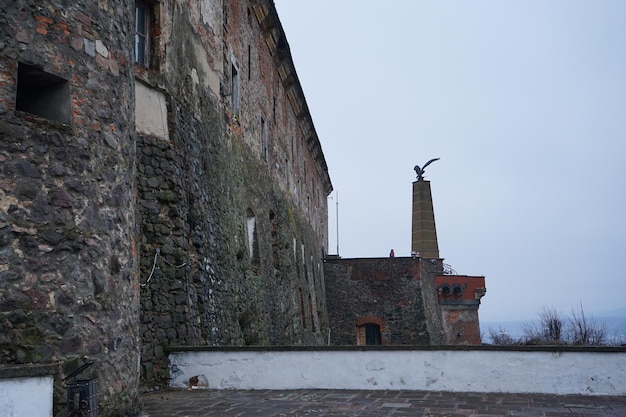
(372, 334)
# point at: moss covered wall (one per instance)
(232, 202)
(224, 294)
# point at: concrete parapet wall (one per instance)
(531, 370)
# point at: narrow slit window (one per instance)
(234, 87)
(253, 243)
(249, 62)
(264, 139)
(43, 94)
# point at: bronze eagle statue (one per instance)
(420, 171)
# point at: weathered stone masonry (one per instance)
(177, 201)
(232, 201)
(162, 184)
(68, 256)
(396, 294)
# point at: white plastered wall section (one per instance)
(26, 396)
(150, 112)
(586, 373)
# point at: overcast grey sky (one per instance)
(525, 104)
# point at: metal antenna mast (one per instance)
(337, 221)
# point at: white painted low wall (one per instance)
(570, 372)
(21, 397)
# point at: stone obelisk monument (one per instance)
(424, 232)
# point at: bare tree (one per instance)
(551, 324)
(586, 331)
(501, 337)
(616, 340)
(549, 329)
(532, 334)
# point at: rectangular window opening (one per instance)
(43, 94)
(143, 19)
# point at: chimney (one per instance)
(424, 232)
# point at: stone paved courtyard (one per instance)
(299, 403)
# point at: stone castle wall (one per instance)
(68, 254)
(175, 201)
(231, 201)
(181, 201)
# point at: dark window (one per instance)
(249, 62)
(43, 94)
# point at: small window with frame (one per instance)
(143, 20)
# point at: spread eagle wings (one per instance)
(420, 171)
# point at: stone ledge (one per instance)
(489, 348)
(30, 370)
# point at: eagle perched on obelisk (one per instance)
(420, 171)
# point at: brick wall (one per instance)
(459, 297)
(392, 292)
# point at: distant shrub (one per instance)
(501, 337)
(586, 331)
